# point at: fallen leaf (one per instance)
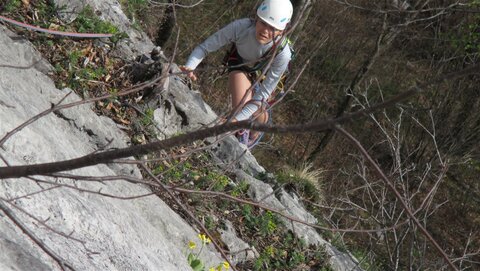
(123, 121)
(53, 26)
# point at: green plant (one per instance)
(265, 224)
(46, 10)
(92, 73)
(73, 58)
(240, 189)
(174, 173)
(214, 180)
(366, 262)
(221, 182)
(148, 117)
(158, 169)
(12, 5)
(467, 36)
(337, 241)
(209, 223)
(87, 21)
(290, 253)
(247, 213)
(196, 263)
(268, 223)
(134, 8)
(78, 76)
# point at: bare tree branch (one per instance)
(397, 195)
(61, 262)
(322, 125)
(280, 213)
(192, 216)
(32, 120)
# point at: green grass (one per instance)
(305, 180)
(366, 263)
(12, 5)
(88, 22)
(134, 8)
(148, 117)
(291, 253)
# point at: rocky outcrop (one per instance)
(111, 11)
(181, 109)
(140, 234)
(281, 200)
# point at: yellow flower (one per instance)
(192, 245)
(204, 238)
(211, 269)
(226, 265)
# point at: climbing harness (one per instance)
(233, 62)
(54, 32)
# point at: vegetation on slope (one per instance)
(428, 146)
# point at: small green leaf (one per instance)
(197, 265)
(191, 258)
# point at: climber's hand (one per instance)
(189, 73)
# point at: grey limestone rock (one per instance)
(279, 199)
(180, 109)
(140, 234)
(238, 249)
(15, 256)
(111, 11)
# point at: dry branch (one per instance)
(321, 125)
(399, 197)
(61, 262)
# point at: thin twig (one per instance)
(396, 193)
(61, 262)
(280, 213)
(321, 125)
(192, 216)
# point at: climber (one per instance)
(254, 43)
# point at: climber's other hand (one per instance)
(189, 72)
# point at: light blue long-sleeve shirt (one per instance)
(242, 33)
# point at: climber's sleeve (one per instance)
(263, 91)
(226, 35)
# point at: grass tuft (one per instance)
(305, 180)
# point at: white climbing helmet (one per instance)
(276, 13)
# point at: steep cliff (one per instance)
(91, 224)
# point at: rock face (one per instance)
(140, 234)
(282, 201)
(109, 10)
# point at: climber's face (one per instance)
(264, 33)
